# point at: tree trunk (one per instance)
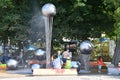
(116, 56)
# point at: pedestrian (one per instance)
(57, 62)
(100, 63)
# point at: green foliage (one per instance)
(14, 16)
(117, 18)
(117, 14)
(6, 3)
(83, 18)
(74, 19)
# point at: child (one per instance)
(99, 62)
(59, 54)
(57, 62)
(68, 63)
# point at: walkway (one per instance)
(26, 74)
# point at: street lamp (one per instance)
(48, 10)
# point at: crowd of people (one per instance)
(61, 60)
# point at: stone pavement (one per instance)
(79, 77)
(15, 73)
(26, 74)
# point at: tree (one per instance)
(87, 18)
(75, 19)
(81, 18)
(116, 56)
(14, 19)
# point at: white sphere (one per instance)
(48, 9)
(86, 47)
(35, 66)
(39, 52)
(12, 64)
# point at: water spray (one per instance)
(48, 10)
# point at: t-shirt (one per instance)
(57, 63)
(59, 56)
(100, 61)
(68, 64)
(66, 54)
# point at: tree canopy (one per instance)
(83, 18)
(75, 19)
(14, 19)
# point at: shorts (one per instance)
(99, 66)
(64, 60)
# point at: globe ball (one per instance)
(86, 47)
(39, 52)
(48, 9)
(35, 66)
(12, 64)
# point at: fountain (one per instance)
(48, 11)
(86, 47)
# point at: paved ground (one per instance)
(79, 77)
(26, 74)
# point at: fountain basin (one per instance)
(52, 72)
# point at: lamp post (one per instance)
(48, 11)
